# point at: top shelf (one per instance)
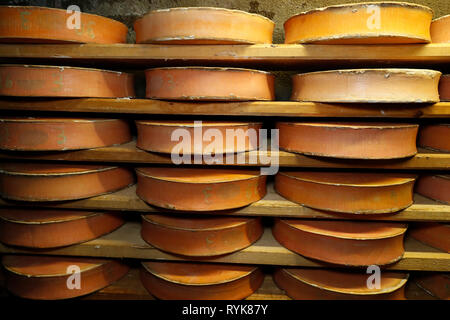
(279, 56)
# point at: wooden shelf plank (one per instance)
(247, 108)
(128, 153)
(272, 205)
(275, 54)
(126, 242)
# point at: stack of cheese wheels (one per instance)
(348, 243)
(440, 29)
(58, 134)
(203, 25)
(198, 189)
(64, 82)
(54, 228)
(197, 137)
(200, 236)
(361, 23)
(28, 24)
(359, 140)
(204, 190)
(52, 278)
(58, 182)
(320, 284)
(197, 281)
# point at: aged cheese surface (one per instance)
(367, 86)
(28, 24)
(203, 25)
(361, 23)
(57, 81)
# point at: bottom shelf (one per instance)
(131, 288)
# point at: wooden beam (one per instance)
(274, 54)
(128, 153)
(272, 205)
(126, 242)
(247, 108)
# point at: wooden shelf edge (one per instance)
(262, 53)
(126, 242)
(247, 108)
(129, 153)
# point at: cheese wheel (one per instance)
(203, 25)
(356, 193)
(348, 243)
(57, 134)
(367, 86)
(198, 189)
(69, 82)
(58, 182)
(28, 24)
(440, 29)
(185, 235)
(323, 284)
(197, 281)
(209, 84)
(157, 136)
(52, 278)
(361, 23)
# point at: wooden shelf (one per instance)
(126, 242)
(248, 108)
(235, 55)
(272, 205)
(128, 153)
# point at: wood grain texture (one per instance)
(126, 242)
(275, 54)
(272, 205)
(247, 108)
(128, 153)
